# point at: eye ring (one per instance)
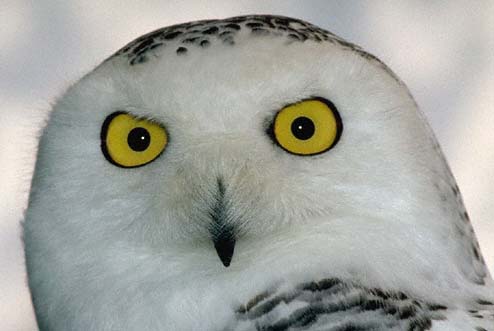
(119, 141)
(321, 143)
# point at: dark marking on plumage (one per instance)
(236, 19)
(269, 305)
(156, 45)
(484, 302)
(138, 59)
(420, 323)
(331, 301)
(321, 285)
(407, 311)
(172, 35)
(455, 190)
(153, 35)
(260, 25)
(294, 36)
(435, 307)
(351, 326)
(479, 328)
(380, 293)
(190, 40)
(282, 21)
(181, 50)
(308, 315)
(142, 52)
(475, 252)
(479, 281)
(142, 45)
(254, 25)
(211, 30)
(125, 49)
(253, 302)
(260, 31)
(232, 26)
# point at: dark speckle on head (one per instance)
(190, 40)
(259, 31)
(211, 30)
(226, 32)
(232, 26)
(181, 50)
(254, 24)
(294, 36)
(172, 35)
(156, 45)
(143, 45)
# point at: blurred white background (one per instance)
(443, 50)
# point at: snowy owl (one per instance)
(250, 173)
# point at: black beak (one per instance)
(225, 245)
(222, 233)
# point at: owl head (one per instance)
(206, 160)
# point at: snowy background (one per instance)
(443, 50)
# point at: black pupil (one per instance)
(303, 128)
(139, 139)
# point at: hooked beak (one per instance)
(222, 233)
(224, 243)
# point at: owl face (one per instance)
(245, 139)
(259, 152)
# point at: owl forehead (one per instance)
(190, 37)
(216, 70)
(233, 53)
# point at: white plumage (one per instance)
(370, 234)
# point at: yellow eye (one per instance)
(308, 127)
(130, 142)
